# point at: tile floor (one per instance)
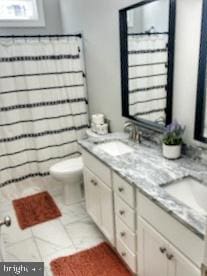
(71, 233)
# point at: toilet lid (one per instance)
(69, 165)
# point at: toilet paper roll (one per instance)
(98, 119)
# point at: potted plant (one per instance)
(172, 141)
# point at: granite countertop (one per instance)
(148, 170)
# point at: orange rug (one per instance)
(35, 209)
(98, 261)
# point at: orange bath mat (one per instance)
(98, 261)
(35, 209)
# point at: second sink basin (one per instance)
(191, 192)
(115, 148)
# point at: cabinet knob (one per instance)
(94, 182)
(121, 189)
(122, 234)
(169, 256)
(121, 212)
(123, 254)
(163, 250)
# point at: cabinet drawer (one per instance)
(125, 213)
(124, 190)
(97, 167)
(181, 237)
(124, 234)
(127, 255)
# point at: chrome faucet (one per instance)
(134, 134)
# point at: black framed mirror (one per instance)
(201, 102)
(147, 34)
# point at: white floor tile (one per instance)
(48, 272)
(14, 233)
(46, 248)
(71, 233)
(72, 213)
(25, 251)
(52, 231)
(84, 234)
(88, 243)
(5, 208)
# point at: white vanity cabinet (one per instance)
(165, 247)
(156, 256)
(99, 195)
(180, 265)
(152, 248)
(148, 239)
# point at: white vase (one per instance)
(171, 151)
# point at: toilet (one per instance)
(70, 173)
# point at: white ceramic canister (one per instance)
(171, 151)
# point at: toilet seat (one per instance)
(68, 166)
(71, 169)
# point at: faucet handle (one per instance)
(139, 136)
(127, 124)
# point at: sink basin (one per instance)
(115, 148)
(191, 192)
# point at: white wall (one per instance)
(52, 19)
(186, 63)
(99, 22)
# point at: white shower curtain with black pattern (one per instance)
(148, 63)
(43, 104)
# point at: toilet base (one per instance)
(73, 192)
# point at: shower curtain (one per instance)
(43, 104)
(148, 58)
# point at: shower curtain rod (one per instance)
(147, 33)
(39, 36)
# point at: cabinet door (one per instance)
(107, 216)
(152, 250)
(92, 196)
(179, 265)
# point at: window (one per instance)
(21, 13)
